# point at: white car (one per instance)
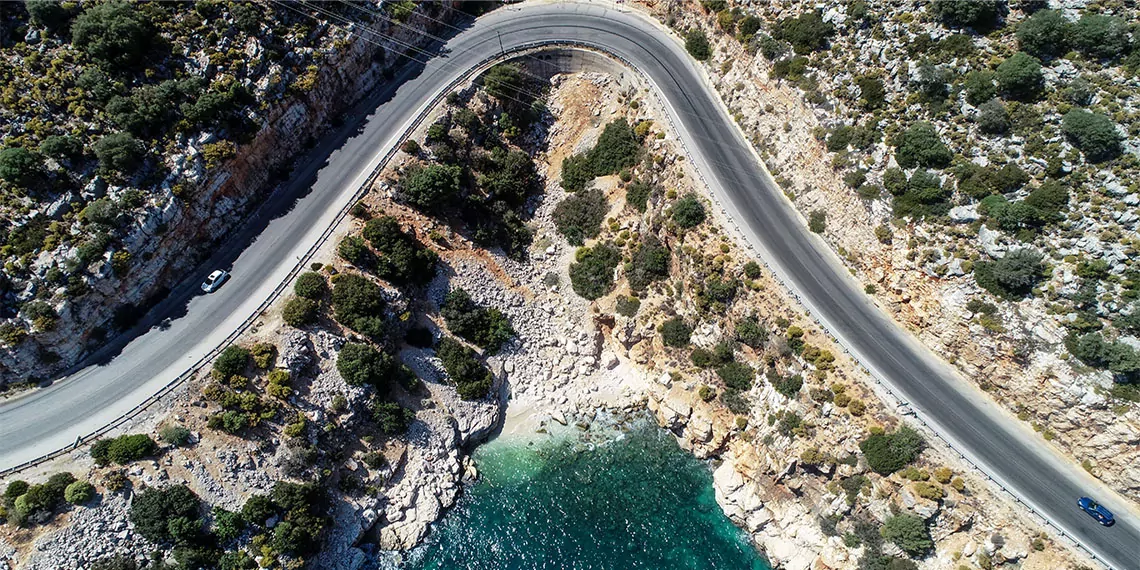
(214, 281)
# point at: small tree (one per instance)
(909, 533)
(650, 263)
(1045, 33)
(993, 117)
(79, 492)
(807, 32)
(432, 188)
(592, 274)
(1094, 134)
(688, 212)
(579, 217)
(1100, 36)
(19, 165)
(980, 86)
(675, 333)
(299, 312)
(119, 153)
(1012, 276)
(114, 34)
(920, 145)
(697, 44)
(392, 418)
(360, 364)
(232, 361)
(889, 452)
(817, 221)
(1020, 77)
(311, 285)
(981, 14)
(156, 512)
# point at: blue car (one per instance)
(1096, 511)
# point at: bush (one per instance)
(432, 188)
(736, 375)
(1118, 357)
(230, 421)
(627, 306)
(1094, 134)
(576, 172)
(353, 250)
(115, 34)
(909, 533)
(924, 196)
(358, 304)
(735, 401)
(392, 418)
(403, 260)
(1045, 33)
(592, 275)
(311, 285)
(817, 221)
(362, 364)
(232, 361)
(889, 452)
(993, 118)
(617, 148)
(920, 145)
(19, 165)
(1100, 36)
(579, 217)
(697, 44)
(788, 387)
(123, 449)
(688, 212)
(174, 434)
(650, 263)
(806, 32)
(751, 332)
(299, 312)
(752, 270)
(488, 329)
(473, 380)
(675, 333)
(980, 87)
(1012, 276)
(981, 14)
(872, 94)
(119, 153)
(155, 512)
(637, 195)
(79, 492)
(1019, 77)
(264, 354)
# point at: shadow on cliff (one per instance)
(170, 304)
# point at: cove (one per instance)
(618, 499)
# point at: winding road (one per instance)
(265, 251)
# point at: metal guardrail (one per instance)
(360, 192)
(882, 383)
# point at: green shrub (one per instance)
(123, 449)
(924, 196)
(751, 332)
(627, 306)
(299, 312)
(993, 118)
(472, 379)
(174, 434)
(19, 165)
(353, 250)
(872, 94)
(487, 328)
(311, 285)
(79, 492)
(403, 260)
(392, 418)
(1019, 77)
(157, 512)
(1118, 357)
(752, 270)
(618, 147)
(980, 14)
(735, 401)
(675, 333)
(1012, 276)
(232, 361)
(115, 34)
(980, 86)
(1100, 36)
(1094, 134)
(736, 375)
(592, 275)
(263, 354)
(697, 44)
(920, 145)
(432, 188)
(688, 212)
(230, 421)
(650, 263)
(889, 452)
(788, 387)
(817, 221)
(1045, 33)
(637, 195)
(576, 172)
(358, 304)
(579, 217)
(807, 32)
(909, 533)
(360, 364)
(119, 153)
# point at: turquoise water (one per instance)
(588, 502)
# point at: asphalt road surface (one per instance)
(264, 251)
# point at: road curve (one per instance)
(52, 418)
